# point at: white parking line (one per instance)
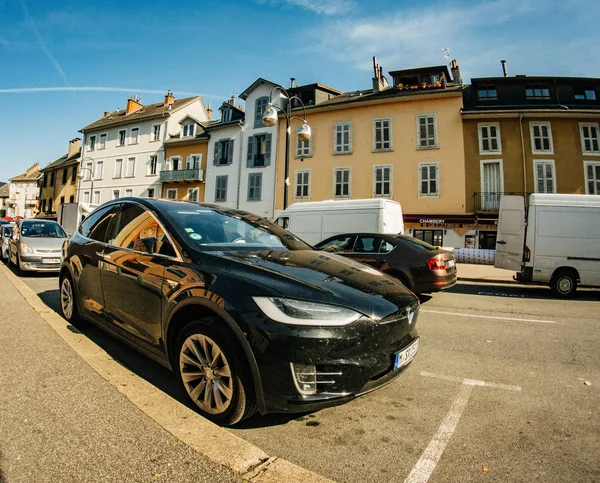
(432, 454)
(487, 317)
(471, 382)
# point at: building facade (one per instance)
(123, 152)
(401, 141)
(23, 193)
(58, 181)
(527, 135)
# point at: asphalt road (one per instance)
(505, 387)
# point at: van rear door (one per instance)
(510, 238)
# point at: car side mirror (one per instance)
(145, 245)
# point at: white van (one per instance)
(558, 243)
(317, 220)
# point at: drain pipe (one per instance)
(523, 156)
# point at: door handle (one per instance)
(103, 256)
(501, 242)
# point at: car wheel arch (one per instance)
(193, 309)
(403, 277)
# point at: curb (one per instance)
(210, 440)
(486, 280)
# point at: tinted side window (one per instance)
(367, 244)
(342, 243)
(95, 225)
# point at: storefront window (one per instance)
(433, 237)
(487, 240)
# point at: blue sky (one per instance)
(212, 47)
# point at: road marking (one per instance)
(432, 454)
(488, 317)
(471, 382)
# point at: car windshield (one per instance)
(42, 229)
(416, 243)
(212, 230)
(7, 231)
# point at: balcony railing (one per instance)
(182, 175)
(490, 202)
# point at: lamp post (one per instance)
(271, 118)
(81, 176)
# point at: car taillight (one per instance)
(526, 254)
(436, 263)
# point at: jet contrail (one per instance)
(24, 90)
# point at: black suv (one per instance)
(248, 315)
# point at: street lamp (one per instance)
(271, 118)
(81, 176)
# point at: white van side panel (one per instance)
(393, 221)
(565, 236)
(307, 226)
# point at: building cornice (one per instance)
(531, 113)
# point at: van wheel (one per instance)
(564, 283)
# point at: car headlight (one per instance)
(301, 312)
(25, 248)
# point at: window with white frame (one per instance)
(116, 194)
(118, 168)
(541, 138)
(545, 181)
(134, 135)
(341, 183)
(589, 138)
(99, 170)
(130, 172)
(96, 197)
(427, 131)
(102, 144)
(92, 143)
(188, 130)
(172, 193)
(192, 194)
(382, 134)
(254, 186)
(429, 182)
(342, 138)
(150, 192)
(592, 178)
(156, 132)
(193, 161)
(128, 192)
(122, 137)
(221, 188)
(303, 148)
(302, 191)
(174, 163)
(86, 198)
(489, 138)
(88, 172)
(382, 181)
(152, 165)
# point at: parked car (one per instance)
(36, 245)
(6, 230)
(249, 316)
(420, 266)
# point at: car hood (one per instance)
(322, 277)
(43, 243)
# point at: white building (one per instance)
(23, 193)
(123, 152)
(245, 179)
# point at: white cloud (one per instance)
(320, 7)
(26, 90)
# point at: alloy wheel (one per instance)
(66, 298)
(206, 374)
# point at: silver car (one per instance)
(36, 245)
(5, 234)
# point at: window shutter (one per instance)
(268, 150)
(217, 153)
(250, 157)
(259, 106)
(230, 152)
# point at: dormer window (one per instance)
(487, 93)
(537, 92)
(585, 94)
(226, 115)
(188, 130)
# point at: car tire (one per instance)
(20, 270)
(564, 283)
(68, 300)
(208, 356)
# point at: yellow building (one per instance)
(58, 181)
(403, 142)
(182, 175)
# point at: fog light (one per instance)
(305, 378)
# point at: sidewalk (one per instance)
(468, 272)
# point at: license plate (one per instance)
(406, 355)
(51, 260)
(450, 263)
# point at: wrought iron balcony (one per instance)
(182, 175)
(490, 202)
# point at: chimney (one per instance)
(292, 82)
(169, 99)
(232, 101)
(74, 147)
(132, 105)
(106, 113)
(504, 71)
(456, 78)
(379, 80)
(209, 112)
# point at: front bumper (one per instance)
(35, 263)
(349, 361)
